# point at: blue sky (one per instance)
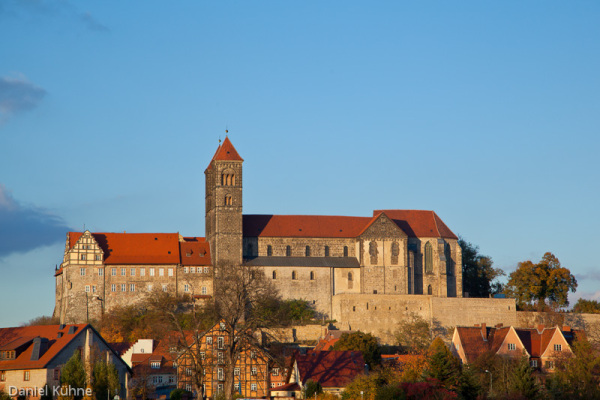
(486, 112)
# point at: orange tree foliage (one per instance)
(537, 283)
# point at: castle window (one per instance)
(350, 280)
(151, 271)
(186, 288)
(113, 271)
(449, 263)
(269, 250)
(93, 289)
(228, 200)
(274, 274)
(113, 288)
(228, 179)
(326, 251)
(395, 252)
(288, 251)
(428, 258)
(373, 252)
(294, 276)
(123, 287)
(345, 251)
(82, 271)
(170, 271)
(83, 257)
(204, 290)
(312, 275)
(161, 272)
(132, 287)
(429, 290)
(307, 251)
(123, 271)
(100, 272)
(87, 288)
(132, 271)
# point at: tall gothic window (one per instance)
(269, 250)
(373, 252)
(312, 275)
(429, 290)
(350, 280)
(307, 251)
(395, 252)
(228, 179)
(228, 200)
(288, 251)
(345, 251)
(428, 258)
(274, 274)
(449, 262)
(294, 275)
(326, 251)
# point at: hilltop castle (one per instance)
(405, 254)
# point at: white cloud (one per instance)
(17, 95)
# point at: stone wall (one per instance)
(529, 319)
(381, 314)
(298, 246)
(299, 333)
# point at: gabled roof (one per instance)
(194, 251)
(135, 248)
(330, 368)
(419, 223)
(23, 337)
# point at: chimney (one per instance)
(484, 332)
(540, 328)
(566, 328)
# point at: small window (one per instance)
(220, 358)
(558, 347)
(83, 259)
(193, 270)
(132, 272)
(222, 326)
(220, 342)
(294, 276)
(188, 371)
(98, 257)
(205, 270)
(155, 365)
(93, 289)
(132, 287)
(533, 363)
(186, 288)
(274, 274)
(82, 271)
(307, 251)
(170, 271)
(312, 275)
(429, 290)
(151, 271)
(87, 288)
(326, 251)
(56, 374)
(161, 272)
(253, 354)
(253, 371)
(25, 375)
(550, 364)
(345, 251)
(204, 290)
(269, 250)
(113, 288)
(512, 346)
(113, 271)
(142, 271)
(253, 387)
(288, 251)
(100, 272)
(123, 287)
(164, 288)
(228, 200)
(236, 371)
(220, 376)
(202, 355)
(150, 287)
(275, 371)
(123, 271)
(428, 258)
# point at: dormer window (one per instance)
(155, 365)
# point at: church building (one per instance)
(310, 257)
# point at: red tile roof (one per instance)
(419, 223)
(225, 152)
(135, 248)
(415, 223)
(194, 251)
(330, 368)
(23, 337)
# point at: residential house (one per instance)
(31, 357)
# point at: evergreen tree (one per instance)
(522, 381)
(106, 380)
(469, 387)
(442, 365)
(72, 373)
(312, 388)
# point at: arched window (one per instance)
(228, 179)
(312, 275)
(449, 262)
(350, 280)
(274, 274)
(395, 252)
(307, 251)
(345, 251)
(429, 290)
(294, 275)
(326, 251)
(269, 250)
(288, 251)
(373, 252)
(428, 258)
(228, 200)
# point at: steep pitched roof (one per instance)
(23, 338)
(330, 368)
(225, 152)
(194, 251)
(135, 248)
(419, 223)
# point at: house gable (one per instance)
(380, 227)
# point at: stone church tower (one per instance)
(223, 180)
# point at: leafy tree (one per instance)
(367, 384)
(179, 394)
(442, 365)
(390, 392)
(479, 277)
(312, 388)
(536, 283)
(106, 380)
(469, 386)
(363, 342)
(587, 306)
(577, 375)
(43, 320)
(72, 374)
(522, 382)
(4, 395)
(299, 310)
(414, 334)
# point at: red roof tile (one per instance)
(135, 248)
(194, 251)
(419, 223)
(23, 337)
(225, 152)
(330, 368)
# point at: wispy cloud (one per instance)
(24, 228)
(18, 95)
(51, 8)
(590, 275)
